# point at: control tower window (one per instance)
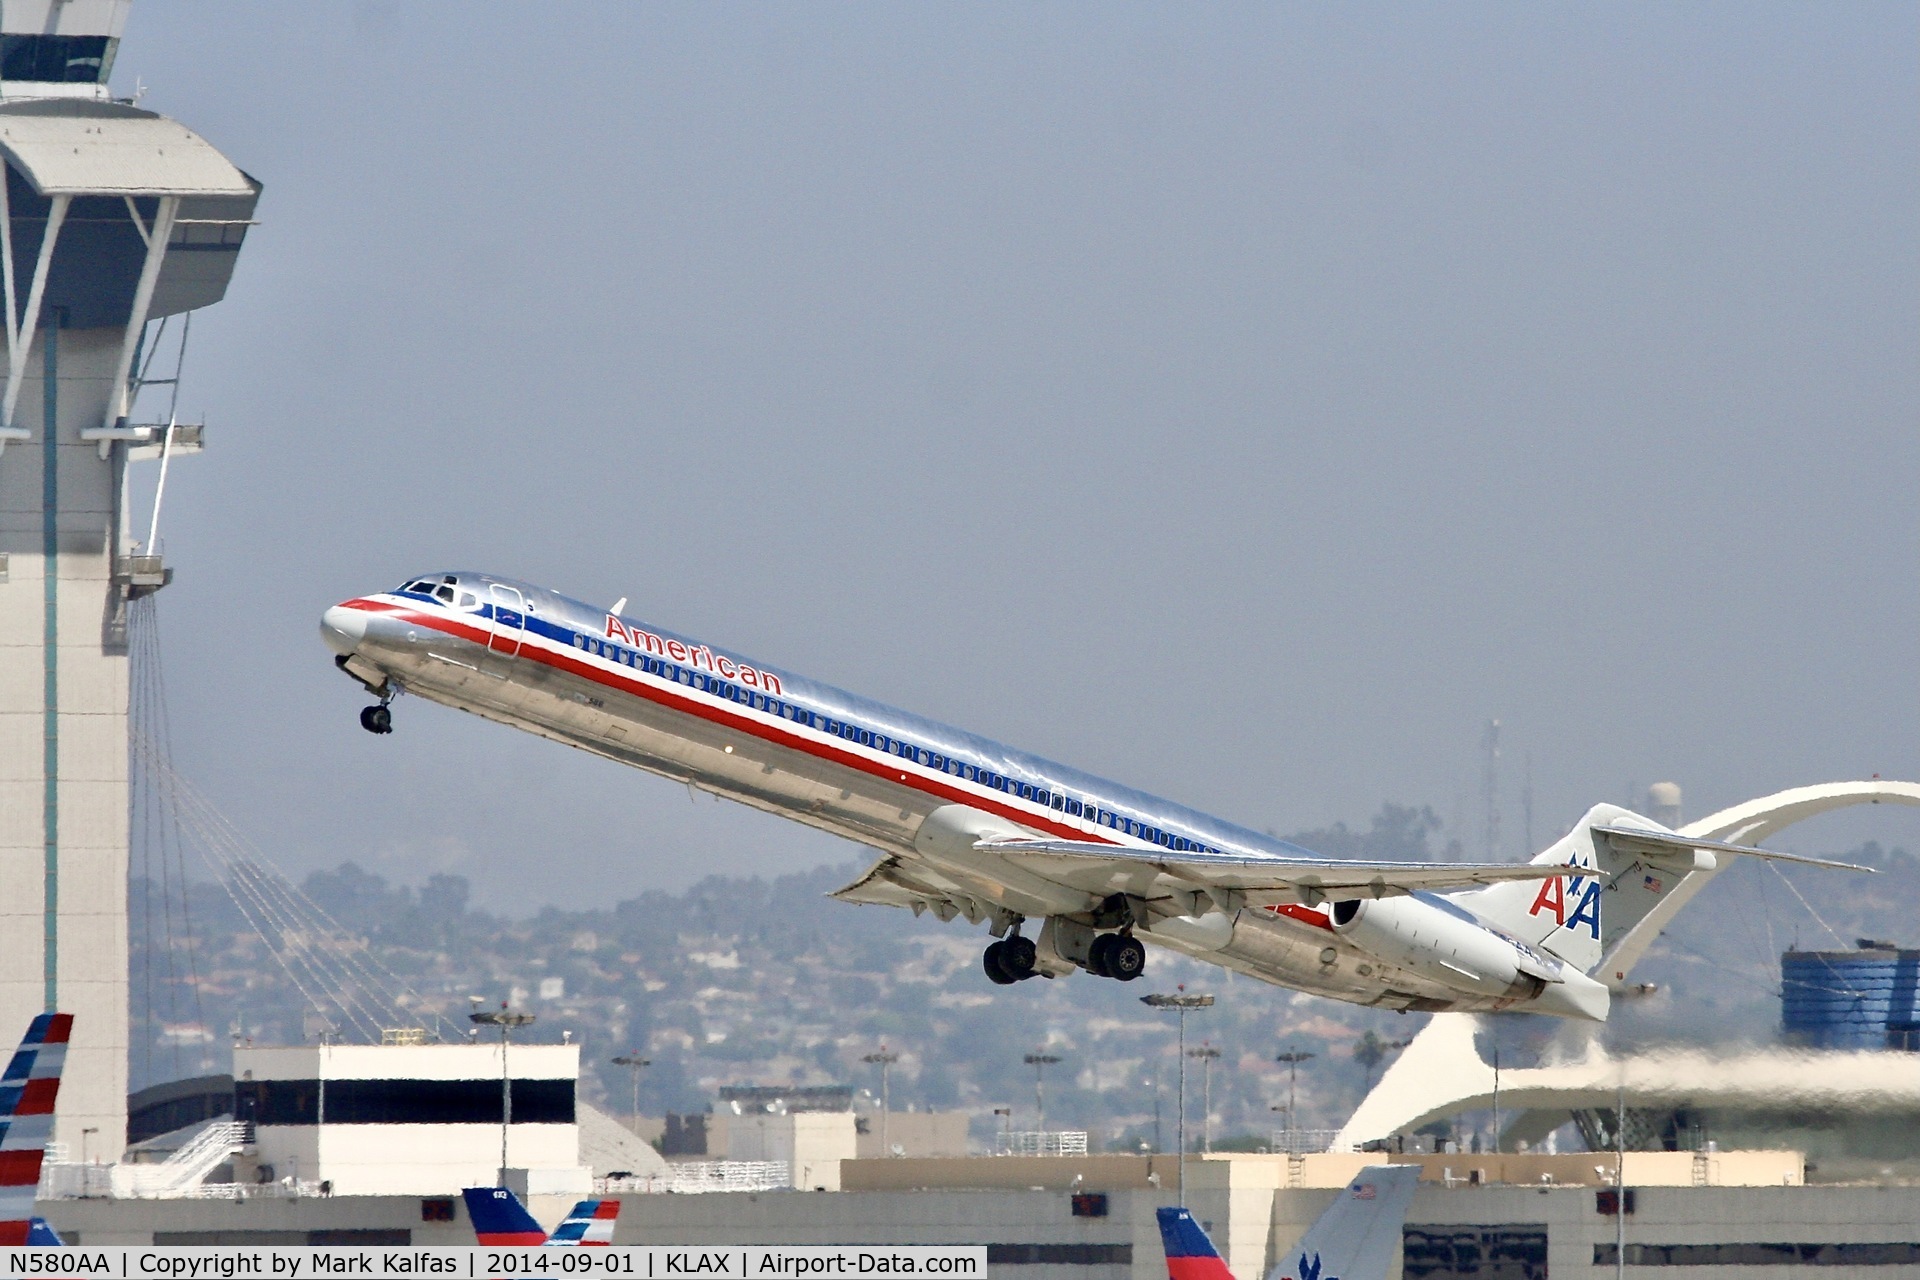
(63, 59)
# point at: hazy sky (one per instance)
(1241, 402)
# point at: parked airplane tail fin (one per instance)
(1190, 1254)
(1358, 1234)
(1582, 918)
(41, 1235)
(499, 1218)
(591, 1222)
(27, 1093)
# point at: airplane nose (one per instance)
(343, 629)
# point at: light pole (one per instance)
(1206, 1053)
(1040, 1062)
(1293, 1058)
(1180, 1003)
(884, 1060)
(633, 1062)
(506, 1020)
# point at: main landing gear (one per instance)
(1119, 956)
(1009, 960)
(377, 719)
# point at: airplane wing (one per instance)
(1667, 844)
(1264, 882)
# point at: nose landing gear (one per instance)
(377, 719)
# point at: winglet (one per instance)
(1190, 1254)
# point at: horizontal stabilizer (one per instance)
(1668, 845)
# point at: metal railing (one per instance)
(1052, 1142)
(1301, 1142)
(700, 1177)
(181, 1173)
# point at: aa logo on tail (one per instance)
(1582, 891)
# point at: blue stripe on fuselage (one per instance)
(1117, 812)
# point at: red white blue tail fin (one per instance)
(499, 1218)
(591, 1222)
(1359, 1234)
(1583, 919)
(27, 1093)
(1190, 1254)
(41, 1235)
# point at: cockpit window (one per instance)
(444, 593)
(467, 600)
(424, 586)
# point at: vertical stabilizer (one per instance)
(499, 1218)
(1358, 1236)
(1581, 918)
(1190, 1254)
(591, 1222)
(27, 1093)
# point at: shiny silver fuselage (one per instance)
(556, 667)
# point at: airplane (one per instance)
(27, 1093)
(499, 1218)
(1353, 1239)
(966, 827)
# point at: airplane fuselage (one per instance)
(918, 791)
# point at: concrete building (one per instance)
(112, 217)
(414, 1120)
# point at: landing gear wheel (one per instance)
(377, 719)
(1017, 956)
(1126, 958)
(1100, 955)
(990, 960)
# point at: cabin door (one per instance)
(509, 620)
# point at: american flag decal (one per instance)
(1363, 1191)
(1652, 883)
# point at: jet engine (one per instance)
(1440, 941)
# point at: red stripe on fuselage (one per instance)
(690, 704)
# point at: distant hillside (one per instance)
(758, 981)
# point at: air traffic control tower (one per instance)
(110, 218)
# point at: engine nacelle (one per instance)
(1440, 941)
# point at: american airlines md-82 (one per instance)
(967, 827)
